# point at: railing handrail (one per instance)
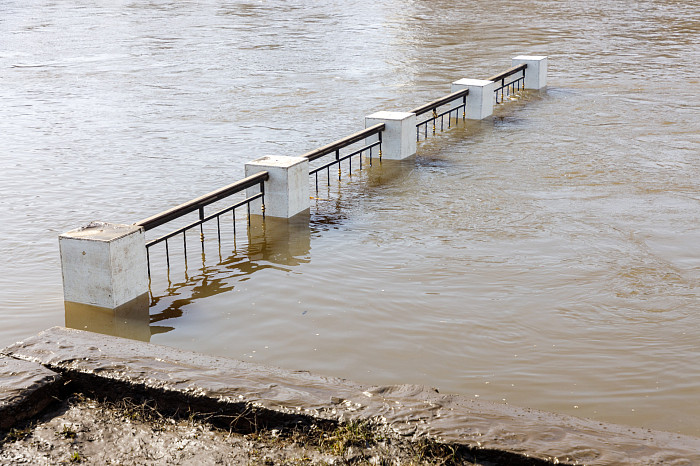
(346, 141)
(196, 204)
(508, 72)
(439, 102)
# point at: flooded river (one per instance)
(548, 257)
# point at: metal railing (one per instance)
(512, 86)
(335, 147)
(434, 105)
(198, 205)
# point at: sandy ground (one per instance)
(87, 431)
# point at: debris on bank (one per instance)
(90, 431)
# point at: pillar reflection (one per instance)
(130, 320)
(283, 241)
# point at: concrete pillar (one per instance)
(399, 135)
(287, 190)
(536, 71)
(480, 100)
(104, 264)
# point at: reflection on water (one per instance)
(280, 241)
(547, 257)
(271, 243)
(130, 320)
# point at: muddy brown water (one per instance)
(546, 258)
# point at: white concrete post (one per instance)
(399, 135)
(536, 71)
(287, 190)
(480, 100)
(104, 264)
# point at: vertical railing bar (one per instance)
(184, 245)
(201, 227)
(262, 198)
(337, 158)
(167, 253)
(218, 228)
(148, 262)
(233, 220)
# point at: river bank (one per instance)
(110, 388)
(87, 430)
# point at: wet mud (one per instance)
(90, 431)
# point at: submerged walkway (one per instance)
(248, 397)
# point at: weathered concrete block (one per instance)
(399, 135)
(104, 264)
(536, 71)
(26, 388)
(480, 100)
(287, 189)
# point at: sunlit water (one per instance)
(549, 257)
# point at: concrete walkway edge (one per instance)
(256, 396)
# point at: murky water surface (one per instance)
(547, 258)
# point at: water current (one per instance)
(547, 257)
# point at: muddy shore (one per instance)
(85, 430)
(231, 412)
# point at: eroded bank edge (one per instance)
(249, 397)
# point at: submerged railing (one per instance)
(512, 86)
(198, 205)
(335, 147)
(434, 105)
(113, 274)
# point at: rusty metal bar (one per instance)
(430, 106)
(346, 141)
(508, 72)
(198, 203)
